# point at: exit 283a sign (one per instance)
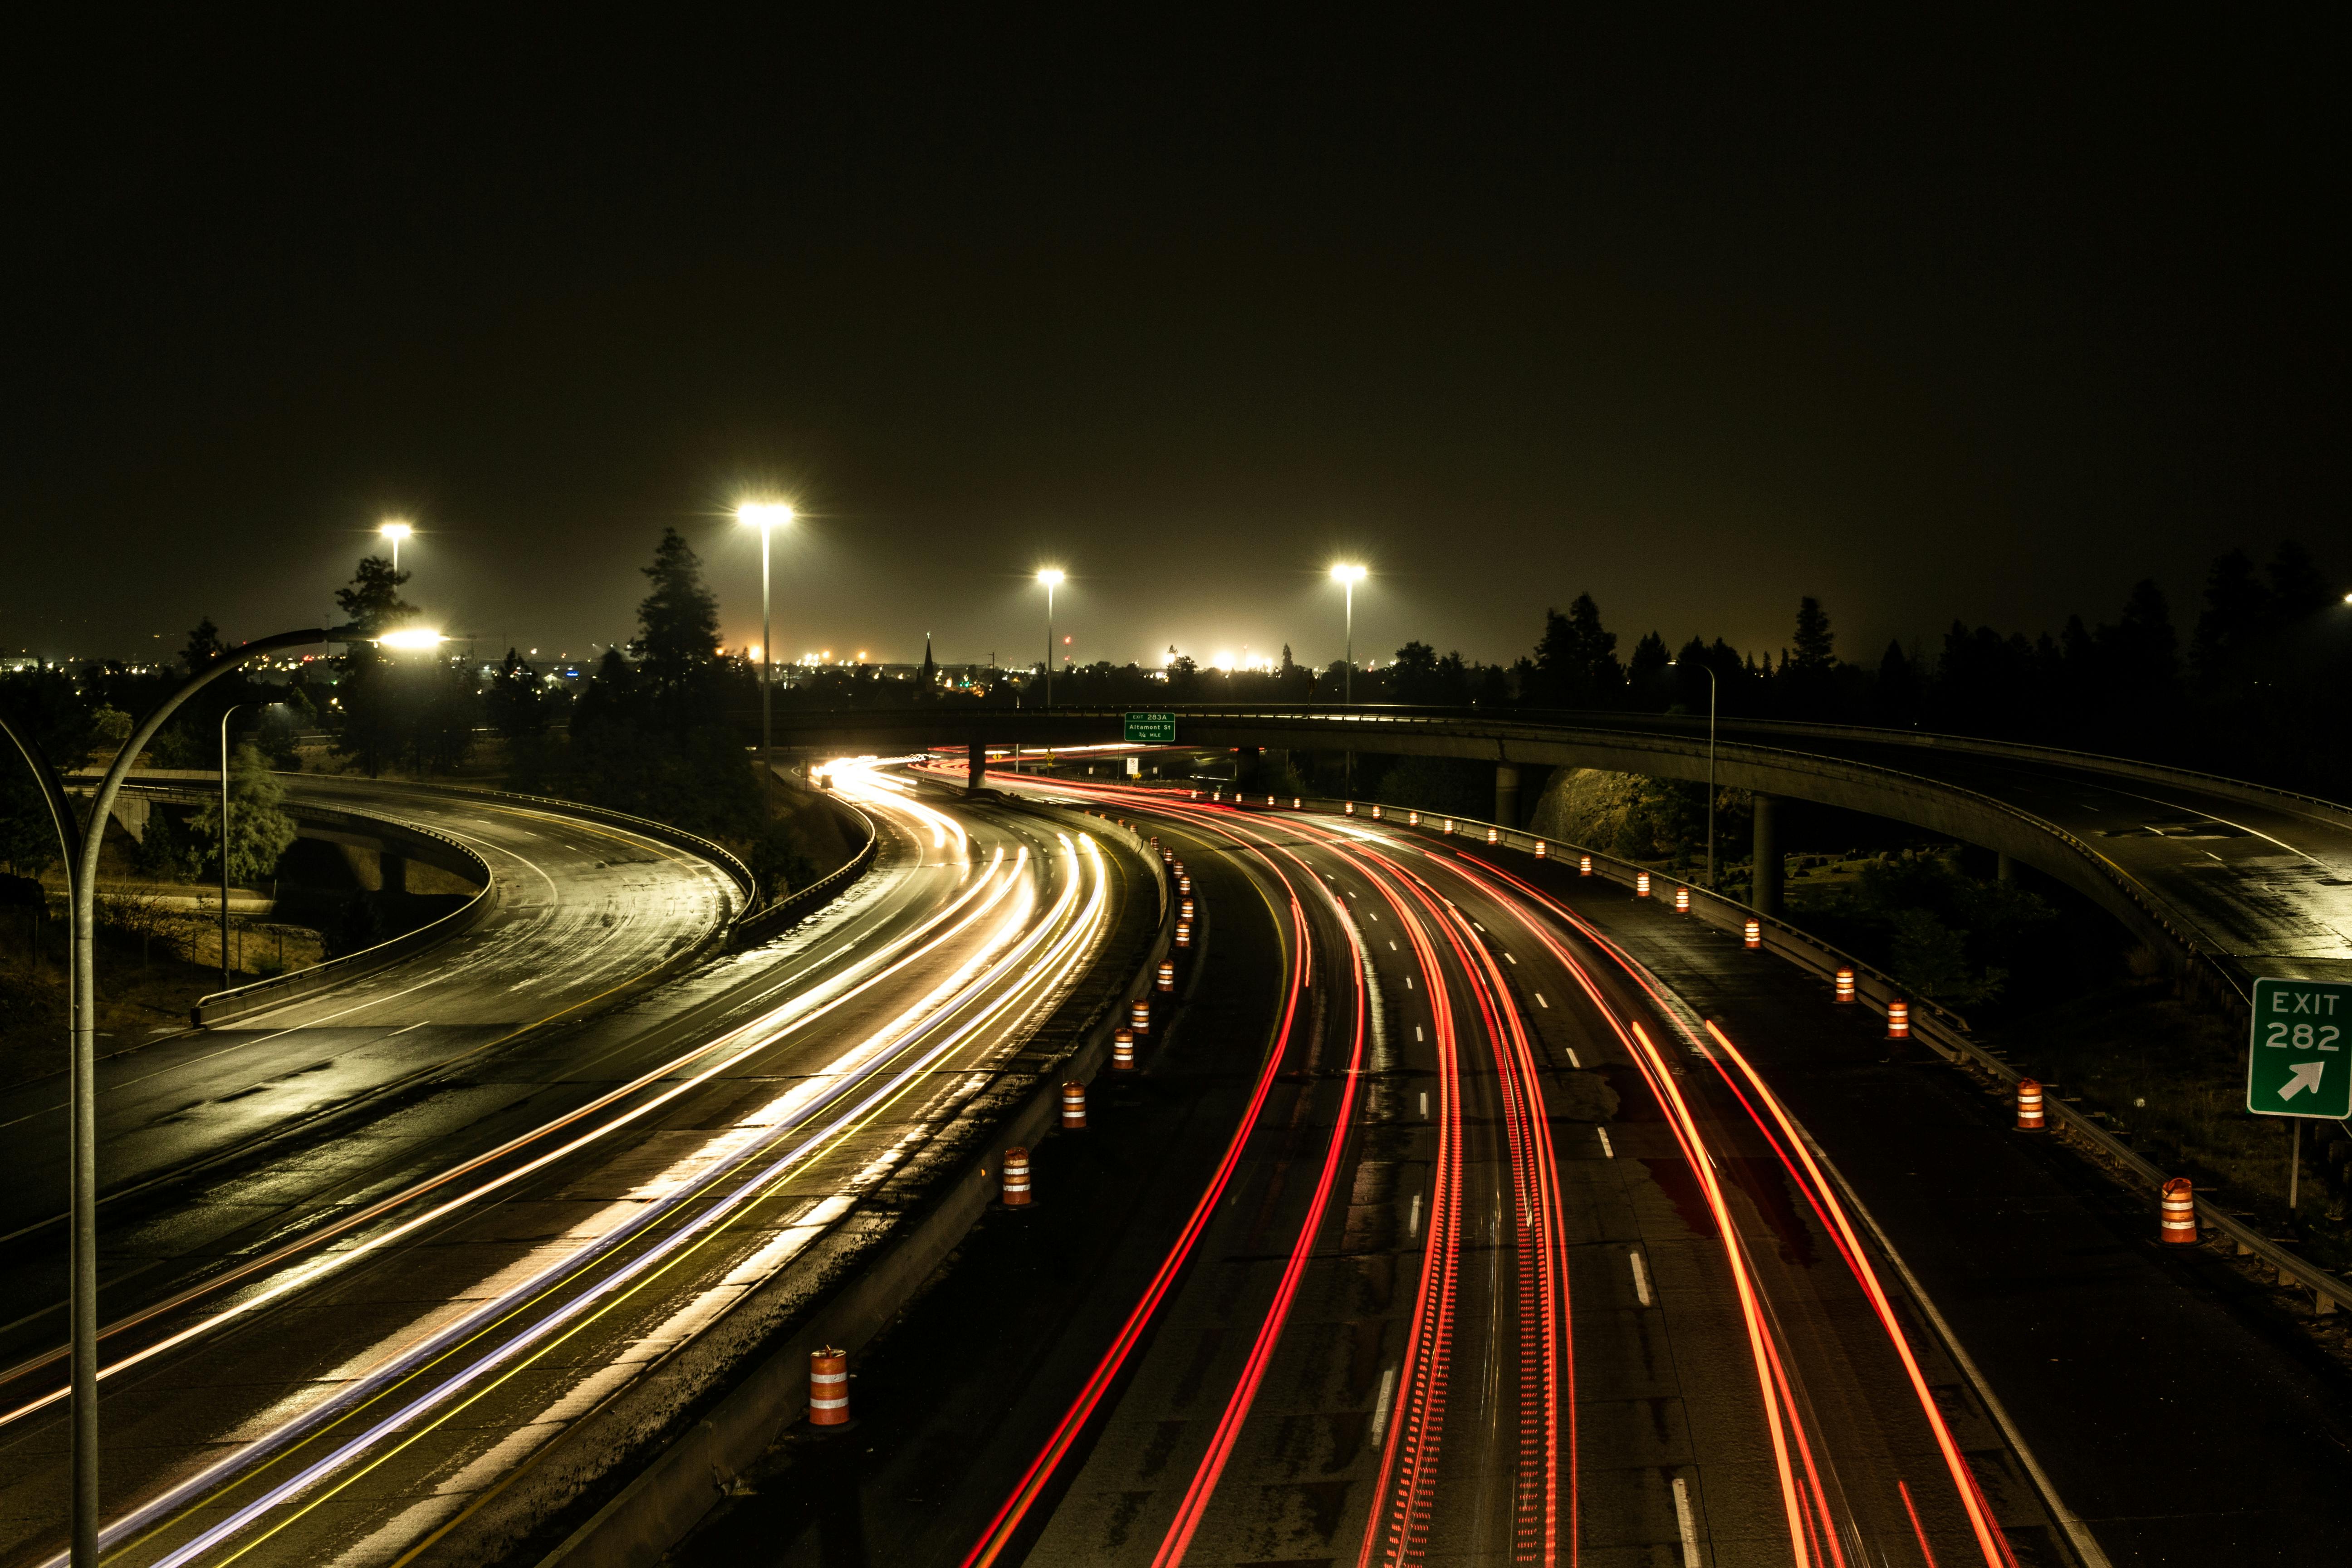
(2300, 1061)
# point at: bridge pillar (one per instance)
(1764, 885)
(1506, 794)
(975, 766)
(2004, 869)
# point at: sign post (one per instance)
(1152, 728)
(2297, 1064)
(2300, 1062)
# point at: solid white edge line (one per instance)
(2076, 1531)
(1689, 1525)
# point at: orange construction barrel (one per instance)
(1167, 976)
(1013, 1192)
(1682, 900)
(2178, 1223)
(1539, 850)
(1755, 935)
(828, 1387)
(1844, 985)
(2028, 1106)
(1898, 1020)
(1641, 884)
(1122, 1051)
(1138, 1016)
(1183, 932)
(1074, 1107)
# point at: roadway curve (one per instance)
(2247, 879)
(1512, 1260)
(438, 1332)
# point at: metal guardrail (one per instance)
(1944, 1031)
(758, 925)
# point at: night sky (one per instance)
(1986, 323)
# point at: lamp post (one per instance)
(1348, 577)
(395, 530)
(81, 848)
(1714, 688)
(767, 517)
(1052, 577)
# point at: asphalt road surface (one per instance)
(370, 1342)
(1504, 1258)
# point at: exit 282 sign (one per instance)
(2300, 1062)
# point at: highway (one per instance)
(372, 1349)
(1509, 1257)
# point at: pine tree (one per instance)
(368, 692)
(259, 831)
(676, 646)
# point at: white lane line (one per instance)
(1380, 1405)
(1412, 1221)
(1393, 946)
(1416, 1031)
(1513, 960)
(1689, 1525)
(1573, 1061)
(1641, 1278)
(1539, 1000)
(1424, 1102)
(1408, 982)
(1607, 1151)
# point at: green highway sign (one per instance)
(2300, 1063)
(1152, 728)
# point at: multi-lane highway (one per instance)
(411, 1335)
(1509, 1257)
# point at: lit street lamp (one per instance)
(1052, 577)
(767, 517)
(395, 530)
(1714, 688)
(1348, 577)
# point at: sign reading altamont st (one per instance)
(1152, 728)
(2299, 1063)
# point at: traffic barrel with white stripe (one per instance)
(2028, 1106)
(1541, 854)
(1412, 819)
(1755, 935)
(1844, 985)
(1138, 1016)
(1494, 836)
(1682, 900)
(828, 1387)
(1183, 884)
(1641, 884)
(1184, 933)
(2177, 1221)
(1122, 1051)
(1074, 1107)
(1449, 825)
(1185, 913)
(1898, 1020)
(1297, 804)
(1376, 814)
(1584, 865)
(1167, 976)
(1013, 1190)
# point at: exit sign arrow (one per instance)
(2303, 1028)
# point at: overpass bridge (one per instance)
(2224, 878)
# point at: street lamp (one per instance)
(1052, 577)
(81, 845)
(767, 516)
(395, 530)
(1714, 688)
(1348, 577)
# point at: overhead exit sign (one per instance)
(1152, 728)
(2299, 1063)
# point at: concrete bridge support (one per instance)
(975, 766)
(1764, 889)
(1506, 794)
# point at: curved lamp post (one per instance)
(81, 846)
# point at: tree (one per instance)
(1645, 672)
(259, 831)
(518, 700)
(1576, 659)
(1816, 645)
(368, 691)
(676, 647)
(2237, 615)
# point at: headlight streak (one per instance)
(1076, 937)
(777, 1024)
(1005, 1525)
(414, 1361)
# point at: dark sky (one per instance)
(1983, 323)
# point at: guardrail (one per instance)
(1944, 1031)
(755, 926)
